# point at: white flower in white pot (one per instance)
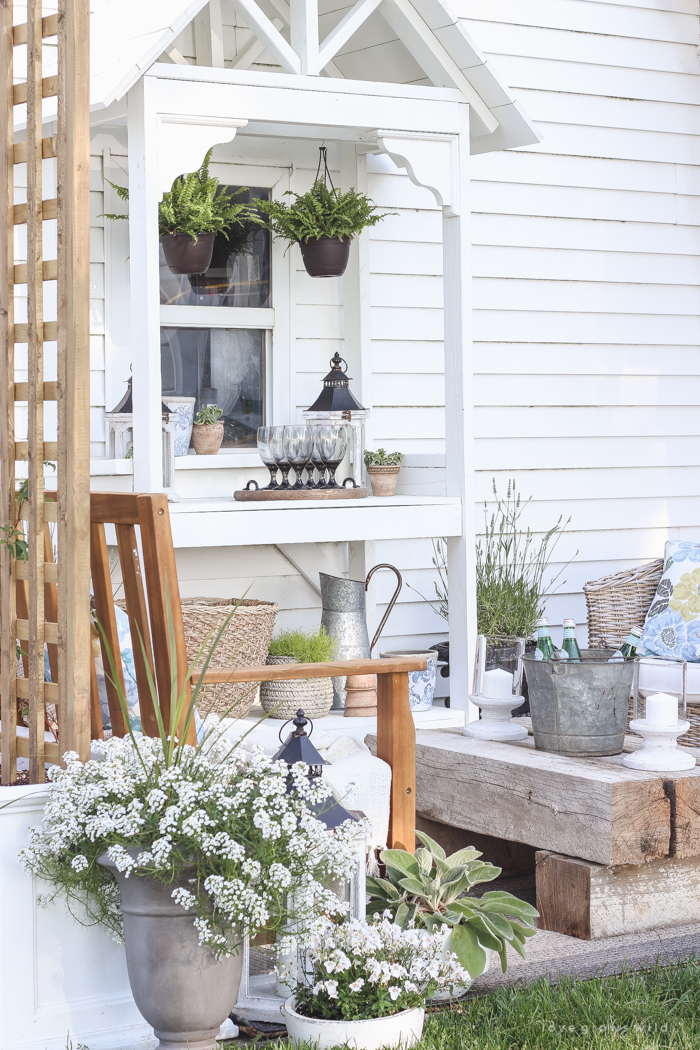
(365, 985)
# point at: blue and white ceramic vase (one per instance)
(184, 406)
(421, 684)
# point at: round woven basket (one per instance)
(283, 699)
(244, 643)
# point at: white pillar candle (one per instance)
(498, 684)
(662, 710)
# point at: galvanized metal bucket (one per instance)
(580, 709)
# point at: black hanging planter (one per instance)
(326, 256)
(184, 254)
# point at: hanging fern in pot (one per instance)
(190, 215)
(322, 222)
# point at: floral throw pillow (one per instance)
(672, 627)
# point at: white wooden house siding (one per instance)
(586, 301)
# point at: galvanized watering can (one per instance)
(345, 618)
(579, 708)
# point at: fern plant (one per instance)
(194, 205)
(322, 212)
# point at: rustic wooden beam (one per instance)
(599, 811)
(49, 27)
(590, 901)
(48, 149)
(49, 89)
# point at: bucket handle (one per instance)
(392, 603)
(555, 668)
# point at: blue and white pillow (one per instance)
(128, 672)
(672, 626)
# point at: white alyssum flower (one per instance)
(221, 820)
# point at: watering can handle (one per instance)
(392, 603)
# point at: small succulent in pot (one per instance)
(322, 222)
(383, 470)
(190, 215)
(431, 889)
(208, 430)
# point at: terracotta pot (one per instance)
(207, 438)
(360, 695)
(326, 256)
(383, 480)
(184, 254)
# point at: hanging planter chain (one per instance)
(323, 159)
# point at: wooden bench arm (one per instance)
(396, 735)
(330, 669)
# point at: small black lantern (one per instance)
(298, 748)
(336, 395)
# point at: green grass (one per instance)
(657, 1009)
(311, 647)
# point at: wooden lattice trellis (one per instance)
(51, 598)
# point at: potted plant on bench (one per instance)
(208, 430)
(315, 695)
(431, 890)
(383, 470)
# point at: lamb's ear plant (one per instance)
(321, 212)
(431, 889)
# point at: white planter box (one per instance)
(60, 982)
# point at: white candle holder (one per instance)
(659, 752)
(496, 722)
(657, 685)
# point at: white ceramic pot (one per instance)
(458, 990)
(421, 684)
(60, 982)
(400, 1030)
(184, 406)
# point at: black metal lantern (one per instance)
(298, 748)
(336, 395)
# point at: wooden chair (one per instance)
(155, 617)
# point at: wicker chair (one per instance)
(616, 603)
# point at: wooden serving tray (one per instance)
(250, 495)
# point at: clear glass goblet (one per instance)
(299, 446)
(279, 454)
(317, 462)
(332, 443)
(264, 435)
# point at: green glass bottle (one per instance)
(545, 646)
(629, 647)
(570, 645)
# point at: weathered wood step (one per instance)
(595, 809)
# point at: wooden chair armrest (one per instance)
(331, 669)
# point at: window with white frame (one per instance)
(214, 327)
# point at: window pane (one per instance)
(218, 366)
(239, 274)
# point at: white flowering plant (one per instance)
(357, 970)
(232, 831)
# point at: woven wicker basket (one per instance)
(244, 643)
(616, 603)
(283, 699)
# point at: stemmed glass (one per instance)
(317, 462)
(279, 454)
(264, 435)
(332, 442)
(299, 446)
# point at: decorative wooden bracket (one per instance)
(430, 159)
(184, 140)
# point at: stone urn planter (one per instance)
(326, 256)
(207, 438)
(184, 254)
(383, 480)
(397, 1030)
(181, 989)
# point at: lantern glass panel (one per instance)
(499, 652)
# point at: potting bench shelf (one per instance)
(620, 848)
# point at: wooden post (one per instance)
(73, 181)
(396, 744)
(8, 513)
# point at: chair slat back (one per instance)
(155, 616)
